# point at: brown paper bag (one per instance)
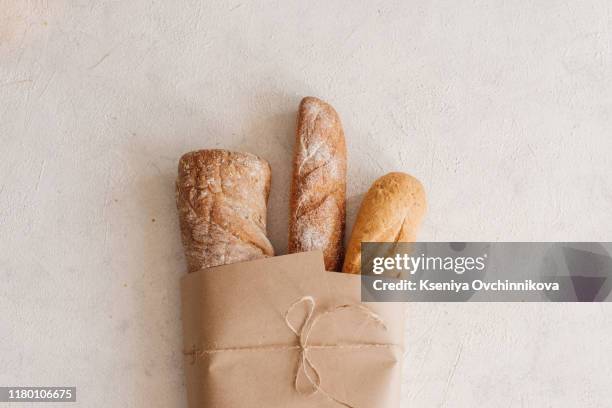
(283, 332)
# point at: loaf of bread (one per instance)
(391, 211)
(318, 190)
(221, 198)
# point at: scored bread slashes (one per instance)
(318, 190)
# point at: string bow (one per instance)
(306, 371)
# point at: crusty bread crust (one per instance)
(221, 198)
(318, 190)
(391, 211)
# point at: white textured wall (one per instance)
(502, 108)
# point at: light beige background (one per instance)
(502, 108)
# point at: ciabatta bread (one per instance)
(221, 198)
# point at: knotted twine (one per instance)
(306, 369)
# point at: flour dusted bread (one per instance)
(221, 198)
(318, 190)
(391, 211)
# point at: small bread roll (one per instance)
(221, 198)
(391, 211)
(318, 190)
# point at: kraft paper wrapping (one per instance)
(283, 332)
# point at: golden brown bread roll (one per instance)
(221, 198)
(391, 211)
(318, 190)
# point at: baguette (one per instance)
(391, 211)
(318, 189)
(221, 198)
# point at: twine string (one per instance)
(306, 367)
